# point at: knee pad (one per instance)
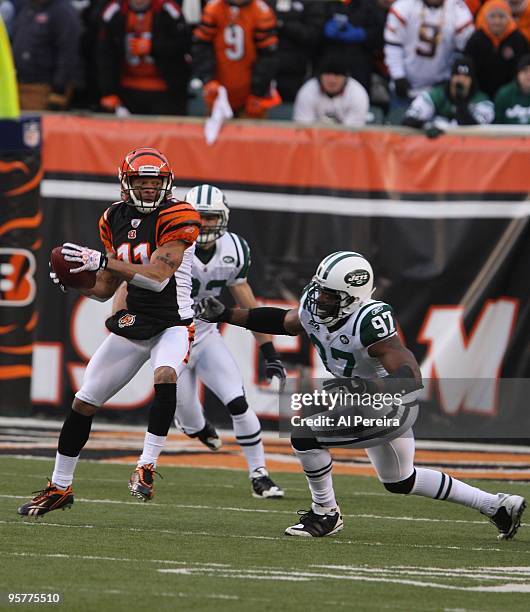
(305, 443)
(403, 486)
(238, 405)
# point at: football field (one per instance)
(204, 543)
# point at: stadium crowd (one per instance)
(423, 63)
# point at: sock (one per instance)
(317, 464)
(74, 434)
(63, 473)
(153, 446)
(248, 435)
(437, 485)
(162, 411)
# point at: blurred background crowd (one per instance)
(421, 63)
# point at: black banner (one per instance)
(459, 288)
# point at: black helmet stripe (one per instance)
(209, 196)
(333, 263)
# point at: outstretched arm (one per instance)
(267, 320)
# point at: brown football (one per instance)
(61, 267)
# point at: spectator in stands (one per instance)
(512, 102)
(455, 102)
(236, 46)
(496, 46)
(521, 14)
(299, 26)
(142, 61)
(354, 30)
(332, 97)
(421, 38)
(45, 41)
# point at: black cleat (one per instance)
(507, 518)
(263, 486)
(141, 482)
(208, 436)
(50, 498)
(316, 525)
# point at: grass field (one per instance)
(204, 543)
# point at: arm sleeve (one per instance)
(266, 41)
(304, 105)
(394, 39)
(358, 104)
(105, 233)
(179, 222)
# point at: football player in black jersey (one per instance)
(149, 240)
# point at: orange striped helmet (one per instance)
(144, 163)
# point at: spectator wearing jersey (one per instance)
(235, 45)
(512, 102)
(141, 57)
(45, 43)
(332, 97)
(354, 30)
(421, 38)
(521, 13)
(496, 46)
(299, 26)
(458, 101)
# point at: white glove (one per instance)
(91, 260)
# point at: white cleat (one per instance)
(507, 518)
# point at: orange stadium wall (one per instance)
(444, 222)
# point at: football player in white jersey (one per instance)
(222, 259)
(421, 39)
(356, 338)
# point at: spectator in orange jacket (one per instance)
(496, 46)
(235, 45)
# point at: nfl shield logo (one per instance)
(131, 235)
(31, 134)
(136, 222)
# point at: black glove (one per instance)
(210, 309)
(432, 131)
(402, 87)
(274, 368)
(55, 279)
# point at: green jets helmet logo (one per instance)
(357, 278)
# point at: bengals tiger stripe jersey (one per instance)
(134, 237)
(237, 34)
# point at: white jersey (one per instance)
(350, 108)
(420, 41)
(228, 266)
(344, 351)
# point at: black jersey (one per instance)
(133, 237)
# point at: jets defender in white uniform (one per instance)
(222, 259)
(356, 339)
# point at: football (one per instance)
(61, 267)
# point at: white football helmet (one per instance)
(343, 281)
(209, 200)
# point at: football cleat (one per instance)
(141, 482)
(317, 525)
(507, 518)
(262, 485)
(208, 436)
(50, 498)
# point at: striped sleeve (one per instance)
(207, 27)
(105, 233)
(265, 30)
(245, 258)
(178, 222)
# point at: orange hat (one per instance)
(482, 22)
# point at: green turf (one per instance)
(107, 556)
